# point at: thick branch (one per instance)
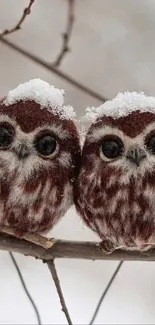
(18, 25)
(66, 35)
(70, 249)
(55, 277)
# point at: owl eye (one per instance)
(151, 144)
(46, 145)
(6, 137)
(112, 148)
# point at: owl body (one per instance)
(115, 190)
(123, 215)
(39, 156)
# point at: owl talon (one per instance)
(19, 234)
(107, 246)
(146, 248)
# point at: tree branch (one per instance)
(70, 249)
(31, 237)
(67, 34)
(55, 277)
(15, 28)
(54, 70)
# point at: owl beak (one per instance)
(135, 155)
(22, 151)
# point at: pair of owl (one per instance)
(43, 172)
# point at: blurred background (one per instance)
(112, 49)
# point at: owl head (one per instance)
(122, 136)
(37, 132)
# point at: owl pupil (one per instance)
(46, 145)
(5, 137)
(151, 144)
(111, 149)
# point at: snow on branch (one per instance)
(18, 25)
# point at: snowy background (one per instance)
(113, 50)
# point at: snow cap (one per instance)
(44, 94)
(122, 105)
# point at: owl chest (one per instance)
(133, 201)
(35, 207)
(114, 198)
(122, 211)
(15, 200)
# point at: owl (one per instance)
(39, 157)
(115, 190)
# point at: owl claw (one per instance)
(19, 234)
(146, 248)
(107, 246)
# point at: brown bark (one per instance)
(70, 249)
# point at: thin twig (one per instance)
(105, 292)
(55, 277)
(50, 68)
(67, 34)
(26, 289)
(31, 237)
(15, 28)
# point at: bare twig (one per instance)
(50, 68)
(67, 34)
(105, 292)
(15, 28)
(26, 289)
(31, 237)
(55, 277)
(71, 249)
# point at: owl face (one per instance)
(32, 138)
(26, 151)
(126, 144)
